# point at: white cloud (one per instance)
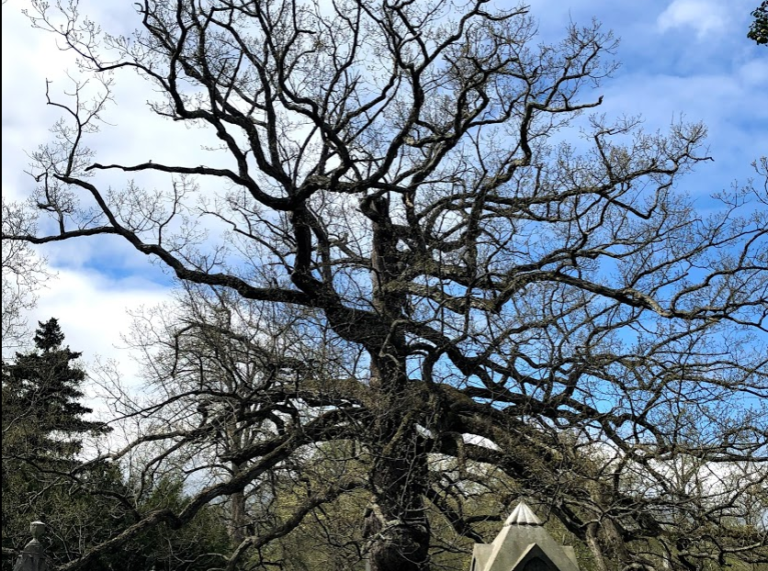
(729, 102)
(92, 312)
(754, 73)
(705, 16)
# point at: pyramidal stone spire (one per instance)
(522, 515)
(523, 544)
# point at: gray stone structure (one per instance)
(33, 557)
(523, 545)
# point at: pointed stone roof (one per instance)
(522, 539)
(522, 515)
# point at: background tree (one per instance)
(84, 501)
(758, 31)
(229, 377)
(44, 426)
(392, 172)
(42, 391)
(22, 273)
(200, 546)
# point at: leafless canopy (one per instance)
(395, 177)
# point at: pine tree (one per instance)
(42, 477)
(44, 417)
(44, 424)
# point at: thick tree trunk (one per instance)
(398, 527)
(400, 547)
(594, 546)
(396, 524)
(605, 539)
(237, 500)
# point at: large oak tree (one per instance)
(398, 175)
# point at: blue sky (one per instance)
(687, 57)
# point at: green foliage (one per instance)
(43, 417)
(758, 31)
(195, 547)
(330, 536)
(82, 503)
(43, 427)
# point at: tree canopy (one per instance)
(432, 255)
(42, 398)
(758, 31)
(23, 274)
(83, 501)
(44, 426)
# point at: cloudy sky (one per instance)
(687, 57)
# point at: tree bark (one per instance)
(397, 526)
(237, 506)
(594, 547)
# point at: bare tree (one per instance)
(395, 174)
(23, 272)
(235, 397)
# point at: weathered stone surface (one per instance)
(33, 556)
(523, 545)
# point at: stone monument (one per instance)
(33, 557)
(523, 545)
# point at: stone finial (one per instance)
(33, 556)
(36, 529)
(522, 515)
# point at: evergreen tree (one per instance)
(43, 424)
(44, 417)
(83, 503)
